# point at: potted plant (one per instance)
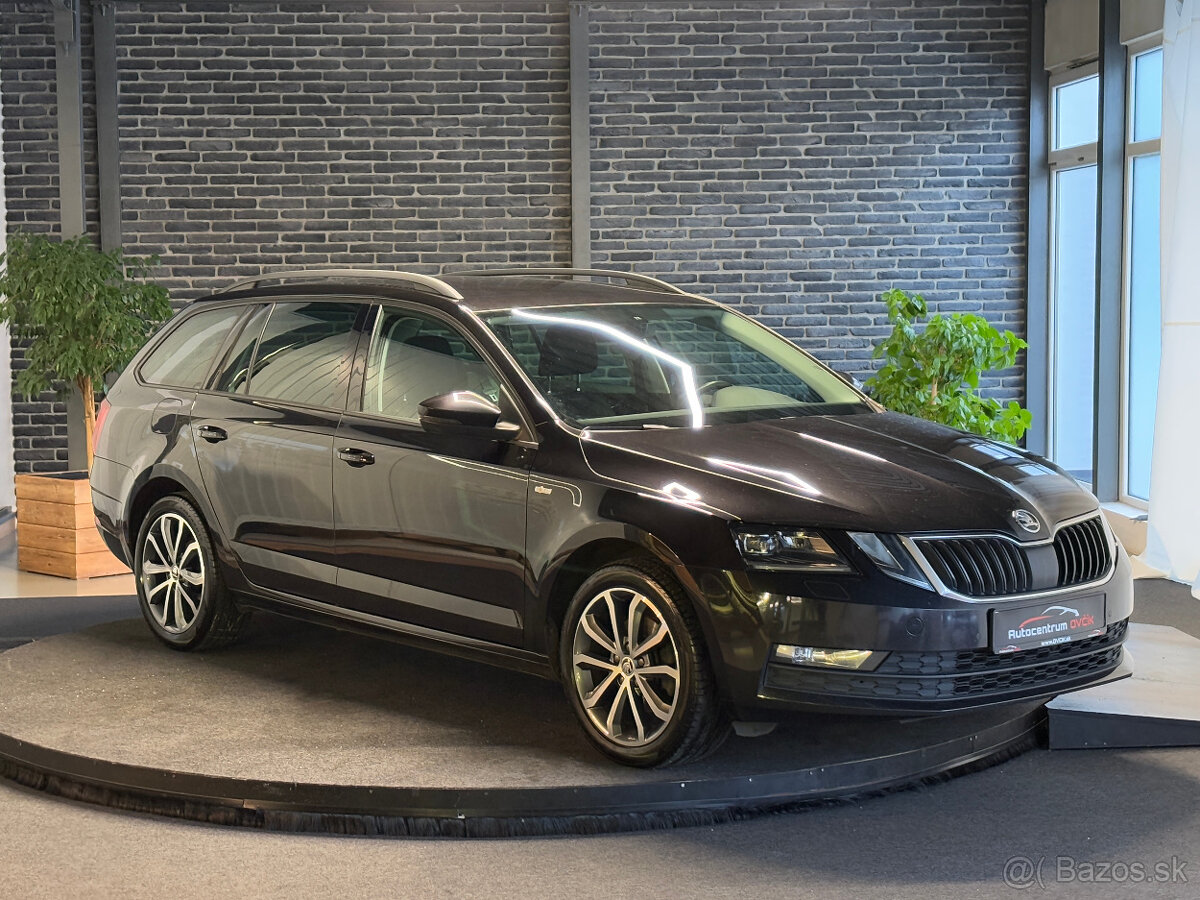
(934, 373)
(79, 313)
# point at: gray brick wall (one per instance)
(798, 158)
(414, 134)
(408, 134)
(792, 157)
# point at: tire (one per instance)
(180, 590)
(656, 708)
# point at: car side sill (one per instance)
(414, 635)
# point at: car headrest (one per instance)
(434, 342)
(568, 350)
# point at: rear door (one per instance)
(264, 438)
(430, 528)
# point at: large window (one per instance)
(1073, 137)
(1143, 319)
(1072, 365)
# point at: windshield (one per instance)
(643, 364)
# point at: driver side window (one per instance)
(413, 357)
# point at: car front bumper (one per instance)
(939, 649)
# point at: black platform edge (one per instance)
(1072, 729)
(489, 813)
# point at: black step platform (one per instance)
(301, 728)
(1158, 707)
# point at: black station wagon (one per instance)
(597, 477)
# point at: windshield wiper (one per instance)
(629, 426)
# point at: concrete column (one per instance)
(69, 96)
(581, 148)
(7, 490)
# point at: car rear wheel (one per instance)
(636, 669)
(182, 595)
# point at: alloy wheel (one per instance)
(172, 573)
(626, 666)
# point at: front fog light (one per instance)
(859, 660)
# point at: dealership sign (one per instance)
(1047, 624)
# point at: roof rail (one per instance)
(424, 282)
(630, 278)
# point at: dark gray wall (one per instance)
(793, 157)
(414, 135)
(799, 158)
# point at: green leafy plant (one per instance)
(82, 312)
(934, 373)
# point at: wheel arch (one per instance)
(593, 551)
(163, 481)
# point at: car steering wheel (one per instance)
(711, 387)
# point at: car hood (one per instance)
(871, 471)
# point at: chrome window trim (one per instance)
(911, 544)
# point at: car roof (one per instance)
(492, 293)
(479, 292)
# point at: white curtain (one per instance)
(1173, 542)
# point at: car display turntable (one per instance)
(299, 728)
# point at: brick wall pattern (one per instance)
(794, 158)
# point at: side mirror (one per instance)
(467, 414)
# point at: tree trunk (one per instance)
(89, 414)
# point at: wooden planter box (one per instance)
(56, 528)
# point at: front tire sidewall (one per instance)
(664, 746)
(194, 634)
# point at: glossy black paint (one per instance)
(433, 532)
(475, 544)
(269, 481)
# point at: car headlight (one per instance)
(795, 549)
(889, 553)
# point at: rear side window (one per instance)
(305, 354)
(183, 357)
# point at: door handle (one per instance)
(212, 433)
(355, 457)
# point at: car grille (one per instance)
(1083, 552)
(996, 567)
(961, 675)
(979, 567)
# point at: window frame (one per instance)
(1080, 154)
(1133, 150)
(226, 355)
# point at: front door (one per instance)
(430, 528)
(264, 438)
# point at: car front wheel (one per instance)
(636, 669)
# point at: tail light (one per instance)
(101, 415)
